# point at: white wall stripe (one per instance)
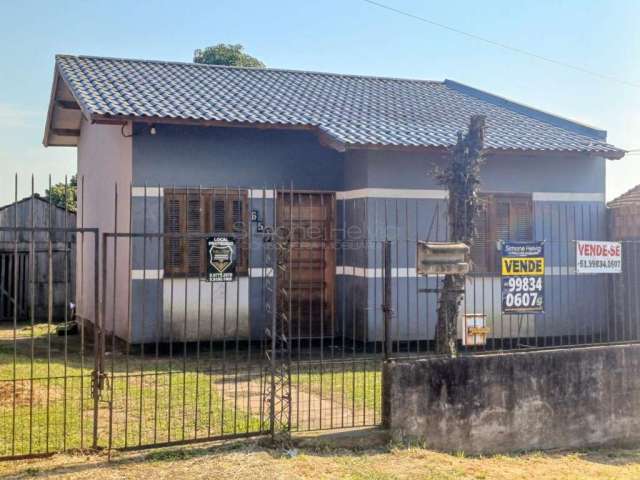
(567, 197)
(374, 272)
(391, 193)
(259, 193)
(148, 274)
(153, 274)
(559, 270)
(347, 270)
(260, 272)
(150, 191)
(159, 191)
(363, 272)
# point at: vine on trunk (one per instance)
(462, 179)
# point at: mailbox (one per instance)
(436, 258)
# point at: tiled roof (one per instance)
(352, 110)
(630, 197)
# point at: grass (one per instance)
(351, 391)
(46, 402)
(250, 460)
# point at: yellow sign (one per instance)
(478, 330)
(527, 266)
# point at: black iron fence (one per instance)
(212, 313)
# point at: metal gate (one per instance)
(49, 383)
(146, 353)
(186, 359)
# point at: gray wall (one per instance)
(518, 401)
(500, 173)
(250, 158)
(239, 157)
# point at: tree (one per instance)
(57, 194)
(226, 54)
(462, 179)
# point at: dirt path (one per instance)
(310, 410)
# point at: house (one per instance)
(624, 215)
(200, 149)
(36, 262)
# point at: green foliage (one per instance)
(226, 54)
(57, 194)
(461, 176)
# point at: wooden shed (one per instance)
(36, 267)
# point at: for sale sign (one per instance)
(522, 268)
(598, 257)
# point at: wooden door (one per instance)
(306, 219)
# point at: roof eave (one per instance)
(330, 141)
(58, 76)
(54, 88)
(548, 117)
(609, 155)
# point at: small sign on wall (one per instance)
(222, 256)
(598, 257)
(475, 329)
(522, 277)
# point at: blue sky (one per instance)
(349, 36)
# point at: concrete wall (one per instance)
(104, 161)
(517, 401)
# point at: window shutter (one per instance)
(203, 212)
(238, 227)
(174, 220)
(236, 216)
(522, 223)
(194, 245)
(219, 224)
(502, 218)
(481, 240)
(513, 219)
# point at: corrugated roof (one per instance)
(630, 197)
(354, 111)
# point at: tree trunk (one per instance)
(462, 179)
(448, 310)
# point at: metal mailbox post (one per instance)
(440, 258)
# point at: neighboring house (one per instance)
(360, 148)
(32, 262)
(624, 215)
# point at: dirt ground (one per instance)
(251, 460)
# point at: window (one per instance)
(502, 217)
(206, 212)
